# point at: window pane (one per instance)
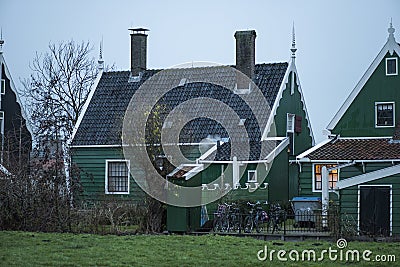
(333, 176)
(117, 177)
(391, 66)
(384, 115)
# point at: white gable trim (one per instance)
(390, 46)
(291, 69)
(85, 106)
(367, 177)
(14, 89)
(307, 152)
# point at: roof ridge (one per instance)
(172, 68)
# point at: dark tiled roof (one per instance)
(102, 122)
(259, 150)
(357, 149)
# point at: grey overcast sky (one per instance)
(336, 40)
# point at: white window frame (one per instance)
(293, 117)
(386, 66)
(313, 176)
(106, 177)
(376, 114)
(1, 122)
(254, 180)
(3, 87)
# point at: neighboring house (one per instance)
(285, 133)
(15, 131)
(363, 150)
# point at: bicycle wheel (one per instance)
(224, 224)
(258, 224)
(234, 225)
(217, 224)
(248, 224)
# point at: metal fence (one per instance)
(279, 222)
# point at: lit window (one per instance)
(252, 176)
(117, 177)
(3, 87)
(384, 114)
(333, 176)
(391, 66)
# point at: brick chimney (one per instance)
(245, 52)
(138, 50)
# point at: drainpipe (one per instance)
(325, 196)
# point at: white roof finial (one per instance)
(391, 30)
(293, 49)
(101, 61)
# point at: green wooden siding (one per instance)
(91, 162)
(349, 200)
(359, 118)
(291, 103)
(348, 197)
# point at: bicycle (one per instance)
(276, 215)
(256, 218)
(220, 222)
(234, 218)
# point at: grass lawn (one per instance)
(53, 249)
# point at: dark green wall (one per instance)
(292, 104)
(359, 119)
(91, 163)
(349, 200)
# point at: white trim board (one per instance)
(85, 106)
(390, 46)
(367, 177)
(307, 152)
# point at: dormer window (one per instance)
(391, 66)
(384, 114)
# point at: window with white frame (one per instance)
(391, 66)
(384, 114)
(117, 177)
(290, 126)
(1, 130)
(252, 176)
(3, 87)
(290, 123)
(317, 179)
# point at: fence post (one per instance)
(284, 224)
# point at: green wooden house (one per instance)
(363, 150)
(264, 171)
(15, 130)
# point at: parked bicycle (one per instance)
(220, 223)
(276, 217)
(256, 219)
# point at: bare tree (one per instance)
(58, 88)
